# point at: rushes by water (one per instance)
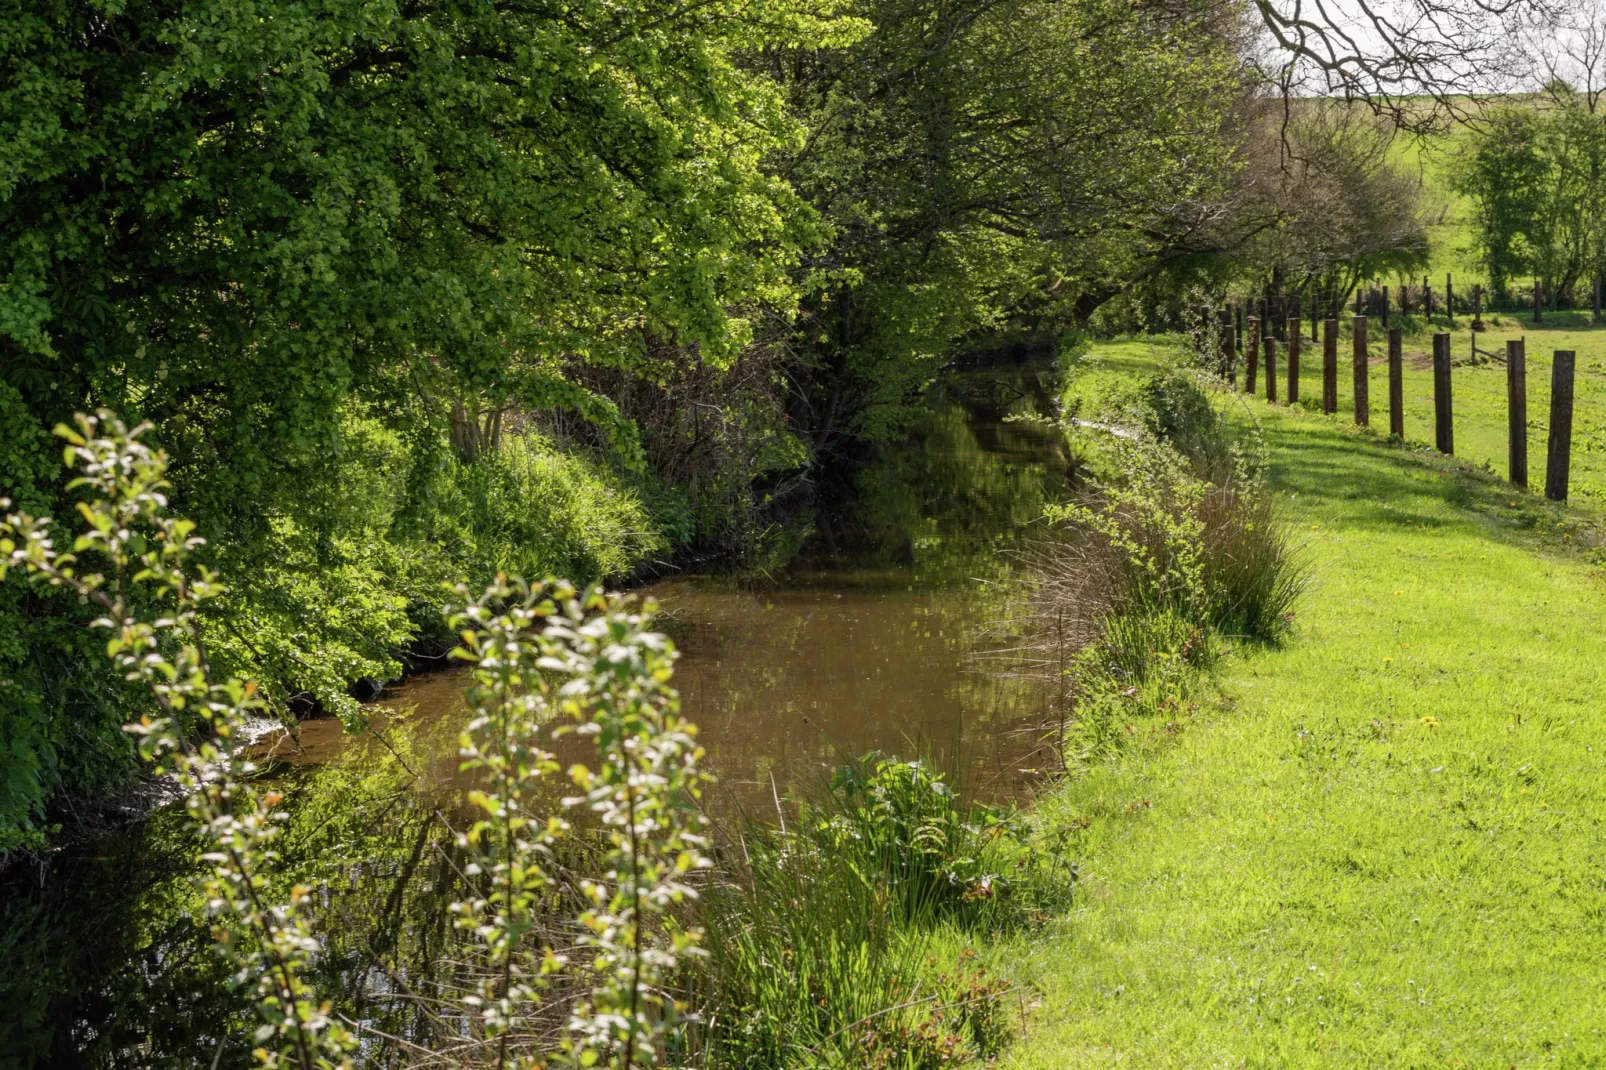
(1179, 548)
(821, 934)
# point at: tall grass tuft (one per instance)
(820, 932)
(1144, 575)
(1253, 569)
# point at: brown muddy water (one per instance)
(867, 639)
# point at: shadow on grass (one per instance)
(1385, 485)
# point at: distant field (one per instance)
(1434, 160)
(1434, 163)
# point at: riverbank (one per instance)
(1379, 844)
(862, 642)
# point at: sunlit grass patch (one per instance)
(1380, 846)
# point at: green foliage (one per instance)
(1173, 405)
(424, 172)
(199, 723)
(530, 508)
(989, 167)
(1504, 175)
(550, 653)
(39, 632)
(1177, 548)
(301, 242)
(1253, 567)
(1184, 494)
(1149, 527)
(538, 652)
(414, 293)
(332, 598)
(1535, 177)
(940, 856)
(1177, 410)
(818, 939)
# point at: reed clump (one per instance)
(825, 934)
(1145, 576)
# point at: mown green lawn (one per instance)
(1479, 391)
(1384, 846)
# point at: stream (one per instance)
(866, 640)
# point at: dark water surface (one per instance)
(865, 640)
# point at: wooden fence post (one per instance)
(1538, 299)
(1252, 354)
(1385, 308)
(1558, 456)
(1477, 313)
(1295, 331)
(1427, 298)
(1229, 351)
(1449, 300)
(1330, 366)
(1363, 374)
(1268, 346)
(1443, 415)
(1517, 411)
(1396, 382)
(1238, 326)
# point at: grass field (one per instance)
(1479, 391)
(1433, 162)
(1383, 845)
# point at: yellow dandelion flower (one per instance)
(1388, 661)
(1430, 721)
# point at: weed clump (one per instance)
(819, 938)
(1147, 572)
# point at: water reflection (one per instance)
(863, 641)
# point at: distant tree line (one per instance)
(1535, 174)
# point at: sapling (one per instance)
(149, 598)
(545, 656)
(582, 662)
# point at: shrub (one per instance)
(549, 653)
(539, 653)
(151, 600)
(531, 509)
(1177, 410)
(1252, 567)
(345, 591)
(1146, 571)
(939, 856)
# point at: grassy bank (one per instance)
(1380, 846)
